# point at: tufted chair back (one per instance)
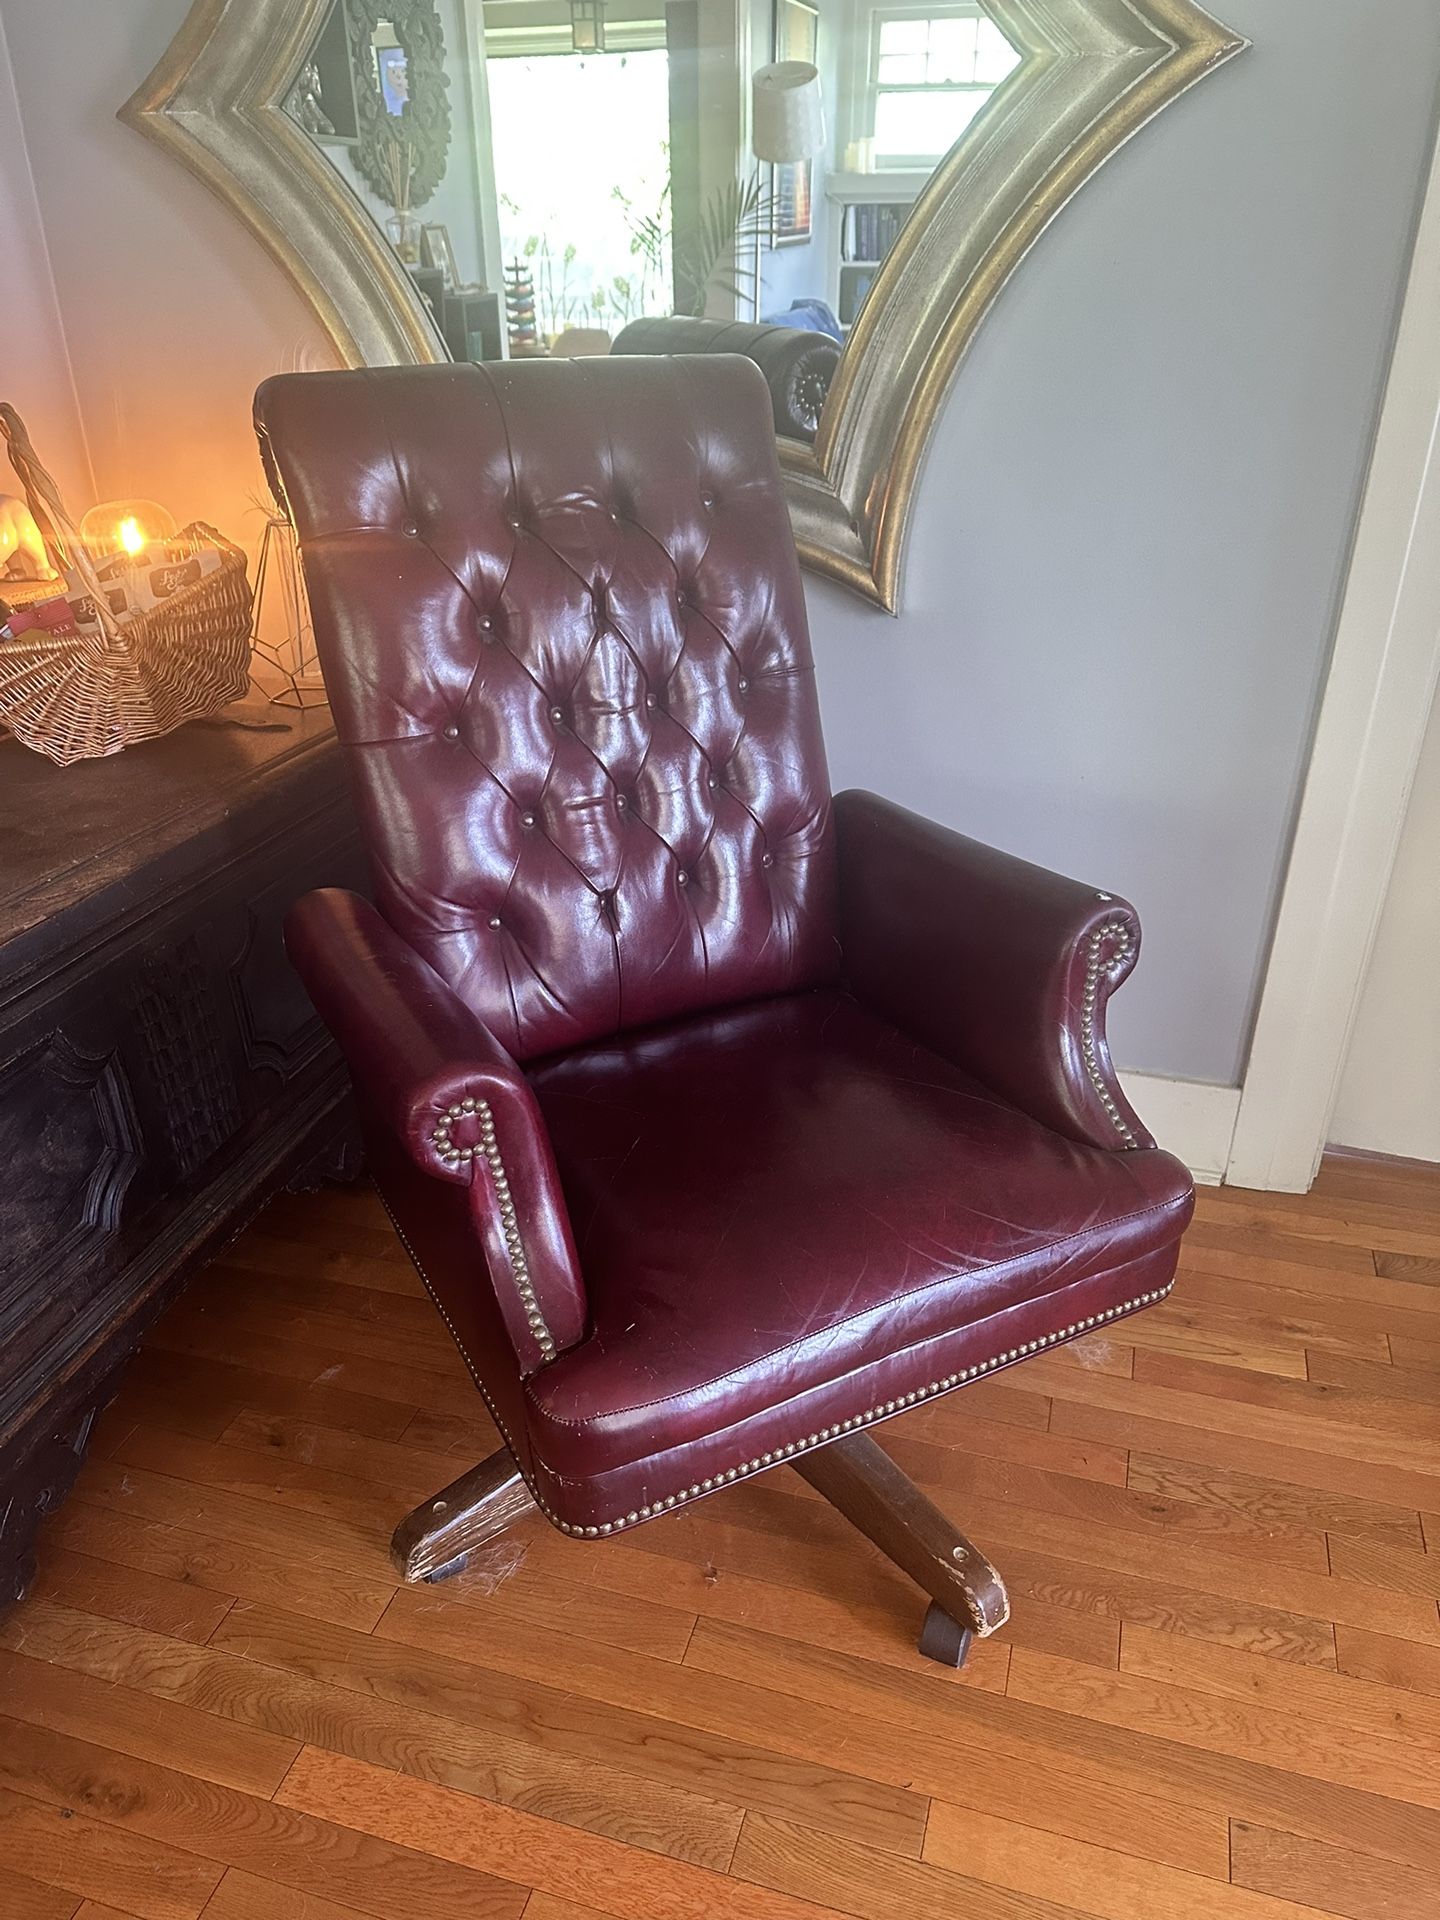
(560, 617)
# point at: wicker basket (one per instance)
(78, 696)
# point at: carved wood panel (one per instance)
(161, 1072)
(70, 1147)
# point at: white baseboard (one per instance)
(1192, 1119)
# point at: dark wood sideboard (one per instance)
(161, 1070)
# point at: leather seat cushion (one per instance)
(792, 1217)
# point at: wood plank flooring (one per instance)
(1219, 1698)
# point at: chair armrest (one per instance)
(431, 1077)
(1002, 967)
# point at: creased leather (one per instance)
(984, 957)
(416, 1050)
(775, 1203)
(560, 617)
(577, 701)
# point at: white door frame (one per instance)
(1372, 722)
(480, 148)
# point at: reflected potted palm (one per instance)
(711, 258)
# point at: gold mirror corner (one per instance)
(954, 131)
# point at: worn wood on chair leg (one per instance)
(433, 1541)
(863, 1482)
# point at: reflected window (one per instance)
(584, 210)
(931, 71)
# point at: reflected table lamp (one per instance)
(787, 120)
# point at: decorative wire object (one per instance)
(294, 658)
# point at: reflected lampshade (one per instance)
(787, 115)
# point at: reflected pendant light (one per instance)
(587, 26)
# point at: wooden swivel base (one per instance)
(434, 1541)
(968, 1595)
(858, 1479)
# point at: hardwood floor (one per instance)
(1218, 1699)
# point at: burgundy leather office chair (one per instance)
(722, 1119)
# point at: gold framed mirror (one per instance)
(1052, 89)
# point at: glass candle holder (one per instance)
(126, 527)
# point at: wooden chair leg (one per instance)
(432, 1542)
(864, 1483)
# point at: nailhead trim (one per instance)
(1089, 1047)
(488, 1149)
(764, 1460)
(826, 1434)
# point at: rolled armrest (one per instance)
(1001, 966)
(434, 1081)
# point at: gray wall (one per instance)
(1124, 561)
(35, 374)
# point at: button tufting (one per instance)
(742, 684)
(679, 597)
(527, 819)
(514, 522)
(452, 732)
(649, 699)
(707, 499)
(712, 781)
(682, 878)
(486, 623)
(410, 529)
(621, 802)
(767, 859)
(494, 919)
(557, 714)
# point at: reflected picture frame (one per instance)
(392, 76)
(437, 251)
(795, 36)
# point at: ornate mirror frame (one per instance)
(1092, 73)
(427, 112)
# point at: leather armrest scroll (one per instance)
(433, 1078)
(1001, 966)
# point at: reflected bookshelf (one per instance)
(870, 209)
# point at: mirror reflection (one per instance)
(593, 176)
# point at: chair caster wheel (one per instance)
(943, 1638)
